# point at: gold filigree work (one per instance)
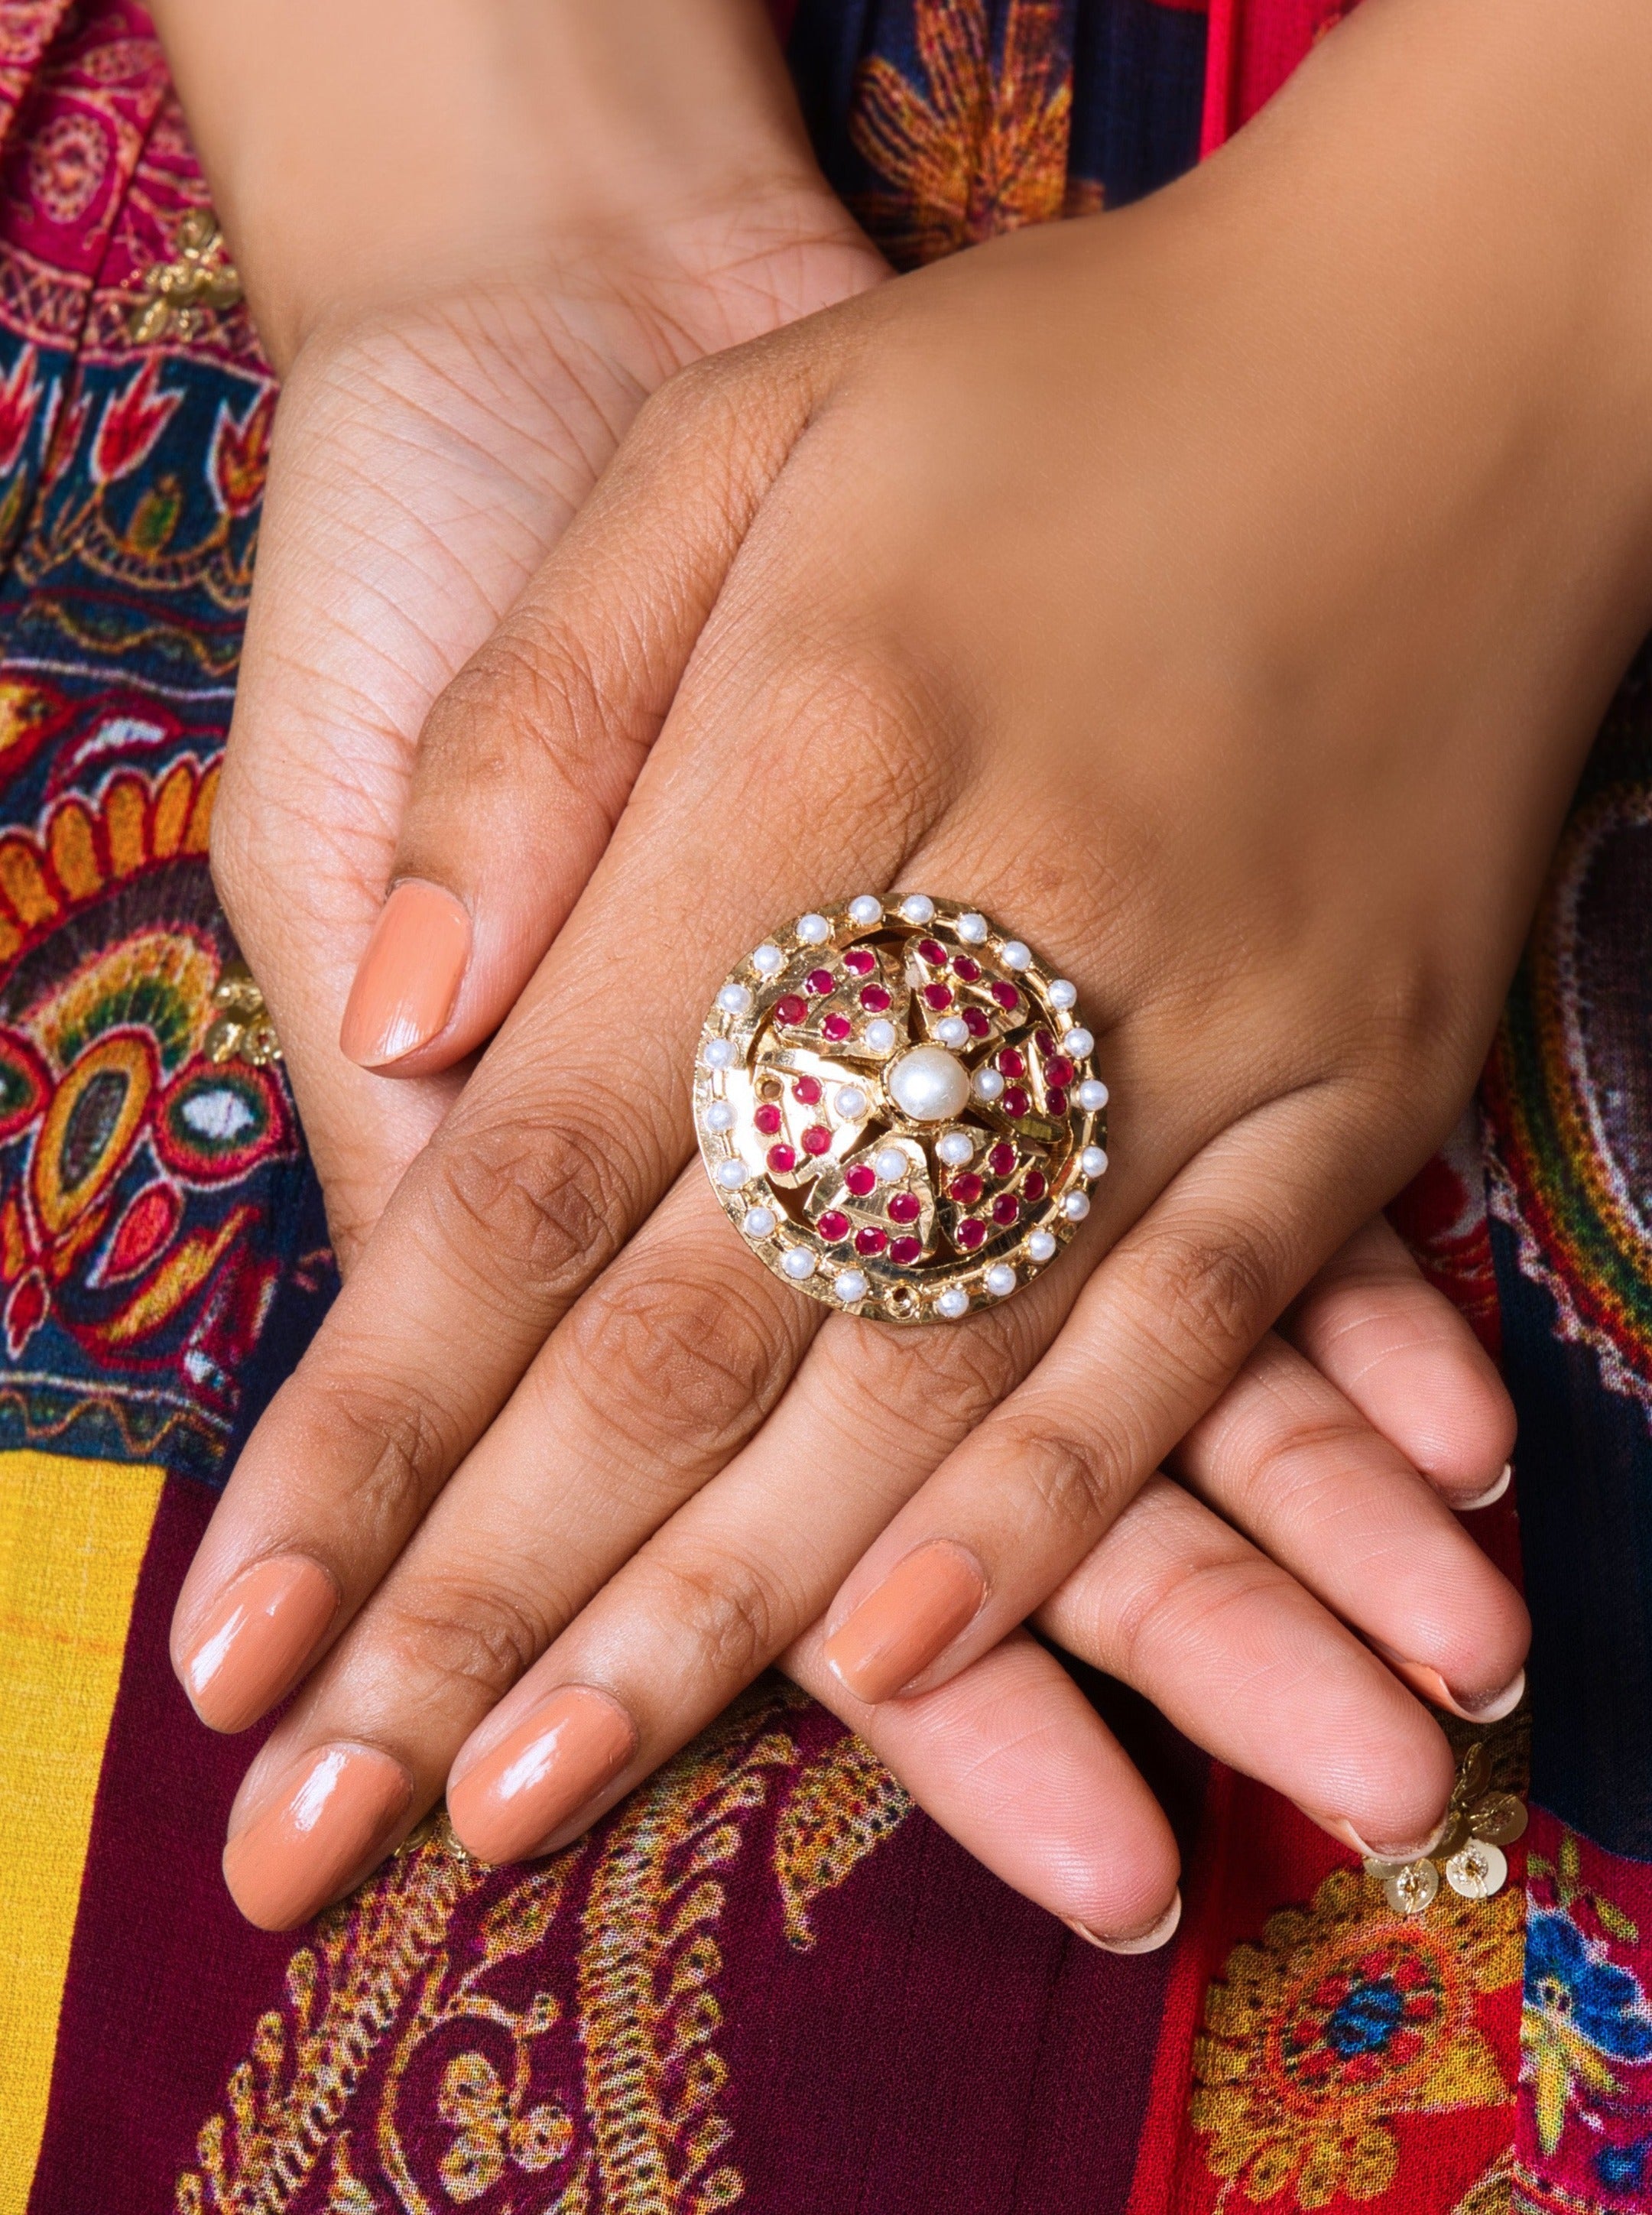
(178, 296)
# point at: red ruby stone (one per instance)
(817, 1140)
(1001, 1160)
(965, 1189)
(782, 1160)
(837, 1028)
(965, 967)
(1015, 1103)
(1004, 993)
(834, 1225)
(860, 1179)
(905, 1207)
(937, 997)
(807, 1089)
(871, 1240)
(971, 1233)
(1007, 1208)
(1056, 1097)
(860, 961)
(977, 1020)
(933, 952)
(790, 1009)
(1058, 1070)
(820, 982)
(1043, 1041)
(905, 1250)
(1012, 1063)
(874, 999)
(1035, 1185)
(768, 1118)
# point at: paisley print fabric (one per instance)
(766, 1980)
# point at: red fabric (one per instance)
(1254, 45)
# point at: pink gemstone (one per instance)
(905, 1207)
(1015, 1102)
(1001, 1160)
(861, 1178)
(1012, 1063)
(977, 1020)
(965, 967)
(768, 1118)
(905, 1250)
(1058, 1070)
(1006, 994)
(1043, 1041)
(874, 999)
(937, 997)
(836, 1027)
(860, 961)
(1035, 1185)
(871, 1240)
(820, 982)
(1005, 1208)
(790, 1009)
(933, 952)
(817, 1140)
(807, 1089)
(782, 1160)
(1056, 1097)
(965, 1189)
(834, 1225)
(971, 1233)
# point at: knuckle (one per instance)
(1073, 1482)
(530, 697)
(725, 1609)
(532, 1205)
(472, 1640)
(402, 1455)
(701, 1360)
(1209, 1289)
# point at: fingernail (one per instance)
(329, 1823)
(525, 1788)
(914, 1615)
(1145, 1942)
(409, 977)
(1493, 1492)
(1340, 1827)
(256, 1640)
(1474, 1708)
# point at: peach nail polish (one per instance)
(335, 1813)
(535, 1780)
(257, 1638)
(409, 976)
(914, 1615)
(1146, 1942)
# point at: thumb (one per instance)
(529, 757)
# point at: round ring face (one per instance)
(897, 1107)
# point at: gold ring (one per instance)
(898, 1108)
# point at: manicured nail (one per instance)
(1144, 1942)
(528, 1787)
(914, 1615)
(1492, 1493)
(409, 977)
(329, 1825)
(258, 1637)
(1472, 1707)
(1340, 1827)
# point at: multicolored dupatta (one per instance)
(766, 1979)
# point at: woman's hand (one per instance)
(1029, 542)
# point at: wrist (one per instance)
(363, 159)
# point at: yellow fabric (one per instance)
(72, 1536)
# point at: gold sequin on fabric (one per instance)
(242, 1031)
(1483, 1816)
(178, 296)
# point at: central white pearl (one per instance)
(929, 1084)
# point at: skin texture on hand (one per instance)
(943, 543)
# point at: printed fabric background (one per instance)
(765, 1980)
